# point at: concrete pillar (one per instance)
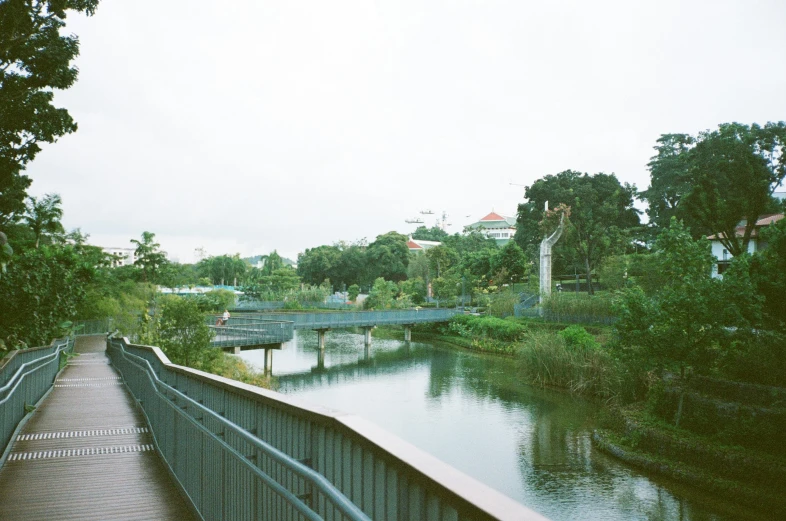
(320, 359)
(236, 350)
(268, 360)
(367, 336)
(407, 333)
(321, 338)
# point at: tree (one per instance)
(43, 217)
(382, 294)
(226, 269)
(717, 179)
(148, 257)
(317, 264)
(601, 219)
(179, 329)
(41, 290)
(441, 259)
(388, 256)
(352, 292)
(511, 259)
(435, 233)
(679, 325)
(35, 58)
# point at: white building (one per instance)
(125, 256)
(755, 244)
(500, 228)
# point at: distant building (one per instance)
(723, 256)
(125, 256)
(498, 227)
(418, 246)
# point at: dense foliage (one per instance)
(718, 178)
(35, 59)
(602, 218)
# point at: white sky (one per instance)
(248, 126)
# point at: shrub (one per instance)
(502, 304)
(486, 327)
(576, 337)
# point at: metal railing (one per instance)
(265, 305)
(342, 319)
(242, 452)
(247, 332)
(99, 326)
(25, 376)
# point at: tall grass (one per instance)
(568, 307)
(547, 359)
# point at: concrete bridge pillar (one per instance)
(407, 332)
(321, 338)
(367, 336)
(320, 359)
(268, 360)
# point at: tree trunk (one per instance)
(589, 276)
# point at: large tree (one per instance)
(35, 59)
(388, 256)
(317, 264)
(717, 179)
(601, 214)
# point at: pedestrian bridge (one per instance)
(269, 330)
(119, 432)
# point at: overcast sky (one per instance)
(247, 126)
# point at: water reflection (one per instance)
(473, 412)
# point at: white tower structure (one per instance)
(545, 256)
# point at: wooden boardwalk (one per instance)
(86, 453)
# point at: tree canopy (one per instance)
(601, 214)
(35, 59)
(717, 179)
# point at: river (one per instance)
(473, 412)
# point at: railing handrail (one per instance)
(469, 495)
(340, 501)
(59, 348)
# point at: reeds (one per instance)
(548, 360)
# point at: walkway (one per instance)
(86, 453)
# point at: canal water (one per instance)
(473, 412)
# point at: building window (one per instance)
(725, 254)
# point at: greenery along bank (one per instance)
(693, 372)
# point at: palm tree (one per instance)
(148, 256)
(43, 217)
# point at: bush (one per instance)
(576, 337)
(486, 327)
(502, 304)
(216, 301)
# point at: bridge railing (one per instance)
(249, 332)
(99, 326)
(341, 319)
(242, 452)
(25, 376)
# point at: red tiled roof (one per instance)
(493, 217)
(412, 245)
(763, 221)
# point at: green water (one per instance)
(473, 412)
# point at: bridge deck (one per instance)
(86, 452)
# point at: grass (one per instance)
(547, 359)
